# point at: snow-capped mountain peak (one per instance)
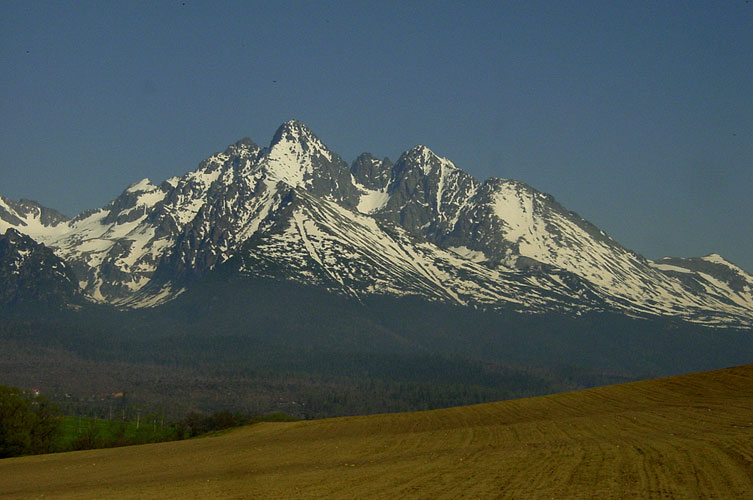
(718, 259)
(31, 218)
(425, 159)
(292, 156)
(294, 131)
(293, 153)
(421, 226)
(300, 159)
(143, 185)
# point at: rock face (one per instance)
(31, 274)
(421, 226)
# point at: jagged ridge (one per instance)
(421, 226)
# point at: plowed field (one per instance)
(682, 437)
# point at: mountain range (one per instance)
(296, 211)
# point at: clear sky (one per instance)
(636, 115)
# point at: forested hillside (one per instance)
(259, 345)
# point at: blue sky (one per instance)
(638, 116)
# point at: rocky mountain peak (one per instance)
(143, 185)
(371, 172)
(12, 236)
(718, 259)
(247, 143)
(244, 148)
(423, 158)
(24, 210)
(300, 159)
(293, 131)
(421, 226)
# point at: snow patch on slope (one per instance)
(372, 200)
(669, 267)
(143, 185)
(467, 253)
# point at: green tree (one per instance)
(28, 423)
(88, 438)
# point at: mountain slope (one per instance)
(420, 226)
(32, 275)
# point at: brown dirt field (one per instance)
(682, 437)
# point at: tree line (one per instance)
(30, 424)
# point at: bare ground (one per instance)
(682, 437)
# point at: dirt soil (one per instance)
(682, 437)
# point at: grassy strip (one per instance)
(81, 433)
